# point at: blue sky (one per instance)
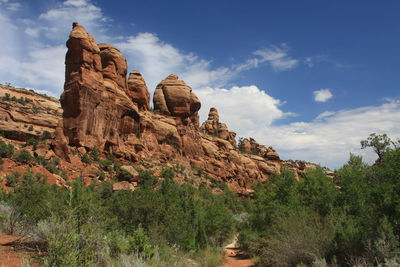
(311, 78)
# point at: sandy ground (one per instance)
(13, 251)
(234, 258)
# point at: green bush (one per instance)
(124, 176)
(12, 179)
(85, 159)
(106, 164)
(24, 157)
(167, 173)
(94, 153)
(32, 142)
(6, 150)
(46, 135)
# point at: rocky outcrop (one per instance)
(137, 90)
(97, 111)
(25, 114)
(114, 68)
(175, 98)
(103, 109)
(250, 146)
(212, 126)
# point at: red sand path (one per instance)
(233, 257)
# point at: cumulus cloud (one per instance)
(55, 23)
(332, 135)
(245, 108)
(322, 95)
(327, 140)
(248, 110)
(157, 59)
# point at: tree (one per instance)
(380, 143)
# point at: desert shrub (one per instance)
(294, 238)
(85, 159)
(51, 168)
(124, 176)
(32, 142)
(106, 164)
(46, 135)
(12, 179)
(147, 179)
(24, 156)
(32, 191)
(94, 154)
(6, 150)
(9, 219)
(35, 110)
(167, 173)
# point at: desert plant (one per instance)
(24, 156)
(6, 150)
(12, 179)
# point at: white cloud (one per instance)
(56, 23)
(245, 108)
(322, 95)
(332, 135)
(276, 56)
(33, 53)
(248, 110)
(327, 140)
(10, 5)
(156, 60)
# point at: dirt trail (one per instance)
(234, 258)
(13, 251)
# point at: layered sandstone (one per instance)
(103, 109)
(97, 111)
(25, 114)
(175, 98)
(212, 126)
(137, 90)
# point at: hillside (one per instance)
(103, 110)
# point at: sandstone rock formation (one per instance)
(212, 126)
(137, 90)
(97, 111)
(103, 109)
(174, 97)
(25, 114)
(251, 146)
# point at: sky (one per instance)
(311, 78)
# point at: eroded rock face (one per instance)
(251, 146)
(103, 109)
(175, 98)
(137, 90)
(25, 114)
(97, 111)
(114, 67)
(212, 126)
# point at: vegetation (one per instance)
(94, 226)
(349, 220)
(22, 100)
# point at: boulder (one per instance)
(137, 90)
(175, 98)
(124, 185)
(129, 169)
(213, 127)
